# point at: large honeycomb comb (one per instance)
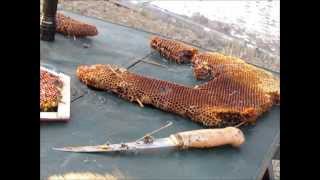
(70, 27)
(226, 100)
(50, 93)
(225, 71)
(173, 50)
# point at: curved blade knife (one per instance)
(204, 138)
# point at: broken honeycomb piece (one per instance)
(50, 93)
(232, 97)
(70, 27)
(223, 69)
(173, 50)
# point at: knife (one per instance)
(203, 138)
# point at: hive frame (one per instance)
(63, 112)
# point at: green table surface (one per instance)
(97, 117)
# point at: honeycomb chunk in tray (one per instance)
(50, 91)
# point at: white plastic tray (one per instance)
(63, 112)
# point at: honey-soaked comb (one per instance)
(224, 101)
(50, 93)
(173, 50)
(71, 27)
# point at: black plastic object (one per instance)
(48, 20)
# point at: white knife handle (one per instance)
(208, 138)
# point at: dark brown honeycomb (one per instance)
(70, 27)
(231, 97)
(50, 93)
(173, 50)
